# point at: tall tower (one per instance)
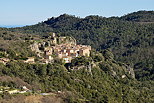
(53, 38)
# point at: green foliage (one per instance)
(147, 72)
(81, 61)
(79, 86)
(108, 54)
(130, 42)
(2, 54)
(17, 47)
(58, 61)
(140, 16)
(96, 56)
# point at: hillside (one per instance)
(140, 16)
(130, 42)
(97, 78)
(106, 80)
(14, 45)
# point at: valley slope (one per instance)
(130, 37)
(120, 47)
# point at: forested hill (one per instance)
(98, 78)
(140, 16)
(103, 77)
(131, 42)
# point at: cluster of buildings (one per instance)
(67, 51)
(63, 47)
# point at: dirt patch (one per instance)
(33, 99)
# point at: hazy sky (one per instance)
(26, 12)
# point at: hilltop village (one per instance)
(64, 48)
(61, 47)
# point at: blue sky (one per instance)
(27, 12)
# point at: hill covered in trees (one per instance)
(140, 16)
(131, 41)
(120, 44)
(106, 81)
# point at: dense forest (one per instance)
(130, 37)
(140, 16)
(103, 83)
(121, 46)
